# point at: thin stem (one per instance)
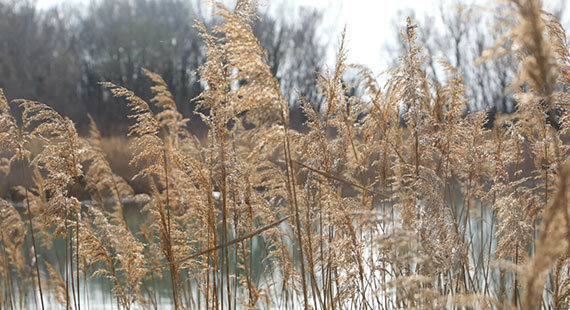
(173, 268)
(33, 236)
(77, 257)
(291, 181)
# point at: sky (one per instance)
(368, 26)
(367, 22)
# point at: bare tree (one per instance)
(460, 34)
(39, 57)
(293, 50)
(120, 38)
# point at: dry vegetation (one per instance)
(396, 199)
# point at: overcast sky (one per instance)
(367, 22)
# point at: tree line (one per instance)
(59, 55)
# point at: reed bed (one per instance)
(396, 199)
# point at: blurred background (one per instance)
(56, 51)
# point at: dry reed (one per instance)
(395, 199)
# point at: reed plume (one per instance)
(394, 196)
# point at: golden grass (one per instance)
(393, 200)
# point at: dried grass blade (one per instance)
(227, 244)
(334, 177)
